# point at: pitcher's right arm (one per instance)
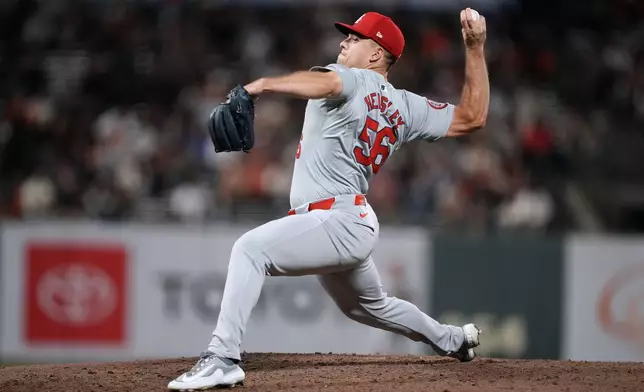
(471, 113)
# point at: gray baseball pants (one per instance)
(336, 245)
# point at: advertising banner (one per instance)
(604, 299)
(109, 292)
(74, 293)
(510, 287)
(65, 292)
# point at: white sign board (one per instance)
(109, 292)
(604, 299)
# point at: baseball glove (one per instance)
(231, 124)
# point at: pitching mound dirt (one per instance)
(303, 372)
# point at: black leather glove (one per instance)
(231, 124)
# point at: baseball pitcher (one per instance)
(355, 119)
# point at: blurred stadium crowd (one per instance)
(104, 107)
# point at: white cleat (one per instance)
(466, 352)
(210, 371)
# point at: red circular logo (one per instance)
(436, 105)
(620, 306)
(77, 294)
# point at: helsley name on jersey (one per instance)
(377, 101)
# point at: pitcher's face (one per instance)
(355, 51)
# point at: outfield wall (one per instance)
(81, 291)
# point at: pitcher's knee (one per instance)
(355, 313)
(246, 251)
(381, 314)
(377, 306)
(369, 309)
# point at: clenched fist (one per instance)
(474, 29)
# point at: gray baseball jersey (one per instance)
(346, 141)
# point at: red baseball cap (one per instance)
(379, 28)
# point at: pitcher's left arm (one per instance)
(333, 81)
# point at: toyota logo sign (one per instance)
(76, 294)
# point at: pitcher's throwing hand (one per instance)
(474, 29)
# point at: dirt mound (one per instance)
(308, 372)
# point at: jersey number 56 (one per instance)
(368, 156)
